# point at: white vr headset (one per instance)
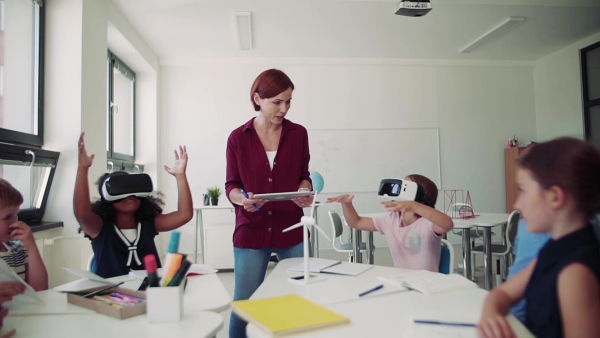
(119, 187)
(395, 189)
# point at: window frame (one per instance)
(111, 155)
(587, 103)
(27, 139)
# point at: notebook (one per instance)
(429, 282)
(315, 265)
(282, 315)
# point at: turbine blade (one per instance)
(322, 232)
(293, 227)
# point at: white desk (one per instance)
(377, 315)
(202, 293)
(485, 221)
(58, 318)
(200, 226)
(196, 324)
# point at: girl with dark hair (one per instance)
(412, 229)
(122, 231)
(267, 154)
(559, 192)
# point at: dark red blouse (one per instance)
(248, 168)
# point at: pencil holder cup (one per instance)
(164, 304)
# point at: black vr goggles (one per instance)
(118, 187)
(403, 190)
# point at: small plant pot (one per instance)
(214, 201)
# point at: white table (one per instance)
(485, 221)
(200, 226)
(202, 293)
(379, 314)
(193, 324)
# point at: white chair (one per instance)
(503, 252)
(447, 258)
(336, 240)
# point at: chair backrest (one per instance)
(91, 265)
(447, 258)
(512, 225)
(336, 225)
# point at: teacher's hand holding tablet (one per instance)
(303, 201)
(250, 204)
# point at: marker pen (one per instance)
(176, 261)
(180, 275)
(171, 250)
(150, 265)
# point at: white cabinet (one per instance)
(218, 245)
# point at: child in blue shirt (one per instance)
(122, 231)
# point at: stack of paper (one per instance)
(284, 315)
(429, 282)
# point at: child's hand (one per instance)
(341, 199)
(399, 206)
(180, 162)
(10, 289)
(22, 232)
(492, 326)
(85, 161)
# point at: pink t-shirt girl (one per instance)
(414, 246)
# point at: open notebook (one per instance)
(429, 282)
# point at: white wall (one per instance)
(476, 106)
(75, 100)
(558, 98)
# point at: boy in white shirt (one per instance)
(413, 230)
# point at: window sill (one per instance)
(41, 226)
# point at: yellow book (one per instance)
(287, 314)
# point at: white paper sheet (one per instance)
(9, 275)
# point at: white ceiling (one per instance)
(177, 29)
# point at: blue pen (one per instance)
(435, 322)
(370, 290)
(246, 195)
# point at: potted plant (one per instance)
(214, 193)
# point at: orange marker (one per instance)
(174, 264)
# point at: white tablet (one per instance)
(281, 196)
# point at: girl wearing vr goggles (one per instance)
(413, 229)
(559, 192)
(123, 223)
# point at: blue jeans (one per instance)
(250, 267)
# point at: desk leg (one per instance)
(466, 242)
(200, 229)
(356, 251)
(487, 256)
(314, 237)
(370, 249)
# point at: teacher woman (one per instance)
(267, 154)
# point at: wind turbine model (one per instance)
(305, 222)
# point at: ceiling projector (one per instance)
(413, 8)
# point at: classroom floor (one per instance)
(382, 257)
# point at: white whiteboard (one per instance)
(355, 160)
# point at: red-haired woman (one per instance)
(267, 154)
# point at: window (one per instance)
(121, 116)
(22, 161)
(590, 78)
(21, 72)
